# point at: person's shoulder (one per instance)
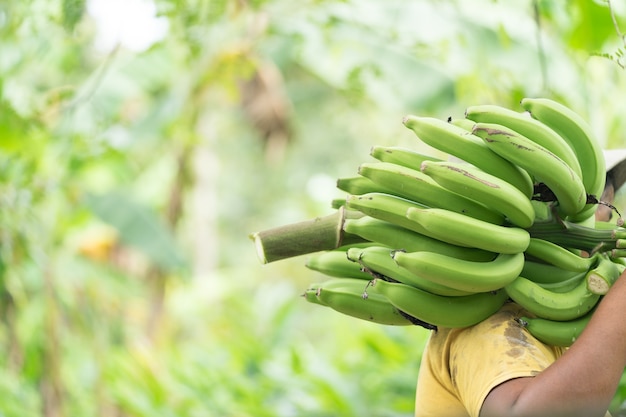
(508, 313)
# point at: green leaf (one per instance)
(592, 25)
(73, 11)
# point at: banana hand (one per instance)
(379, 262)
(575, 131)
(398, 237)
(486, 189)
(439, 310)
(542, 164)
(561, 306)
(457, 141)
(354, 297)
(462, 230)
(463, 275)
(528, 127)
(415, 185)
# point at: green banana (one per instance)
(401, 156)
(414, 185)
(358, 184)
(310, 295)
(604, 225)
(542, 164)
(577, 133)
(557, 255)
(398, 237)
(461, 230)
(464, 145)
(552, 305)
(384, 207)
(528, 127)
(462, 275)
(335, 263)
(621, 264)
(543, 273)
(601, 277)
(486, 189)
(553, 332)
(354, 297)
(337, 203)
(379, 261)
(543, 210)
(465, 124)
(441, 311)
(565, 285)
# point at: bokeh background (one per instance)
(142, 141)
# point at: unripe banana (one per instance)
(335, 263)
(414, 185)
(553, 332)
(528, 127)
(565, 285)
(310, 294)
(462, 230)
(439, 310)
(601, 277)
(621, 264)
(379, 261)
(604, 225)
(337, 203)
(577, 133)
(463, 275)
(383, 206)
(486, 189)
(401, 156)
(353, 297)
(542, 164)
(462, 144)
(465, 124)
(558, 256)
(359, 185)
(551, 304)
(543, 273)
(398, 237)
(543, 210)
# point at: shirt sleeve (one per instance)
(492, 352)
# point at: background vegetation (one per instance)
(141, 142)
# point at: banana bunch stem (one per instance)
(327, 233)
(574, 235)
(301, 238)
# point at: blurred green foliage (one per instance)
(132, 173)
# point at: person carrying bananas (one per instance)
(496, 369)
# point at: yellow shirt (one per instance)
(461, 366)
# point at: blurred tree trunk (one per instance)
(157, 277)
(205, 203)
(15, 352)
(51, 385)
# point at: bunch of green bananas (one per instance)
(447, 243)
